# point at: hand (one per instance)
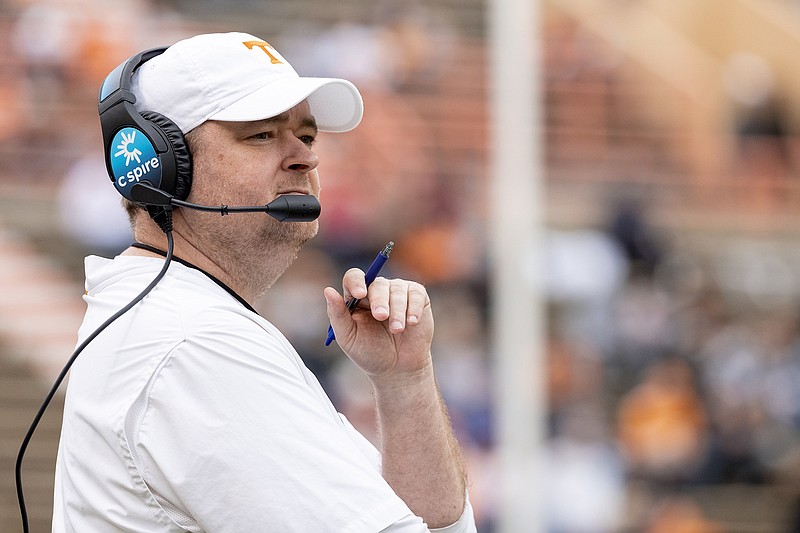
(390, 332)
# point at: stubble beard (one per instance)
(287, 238)
(253, 249)
(278, 245)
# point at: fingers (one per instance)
(418, 300)
(354, 284)
(379, 298)
(399, 301)
(398, 304)
(336, 304)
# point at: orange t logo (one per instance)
(263, 45)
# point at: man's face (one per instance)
(252, 163)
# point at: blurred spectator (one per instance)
(662, 424)
(640, 243)
(760, 120)
(396, 46)
(762, 147)
(751, 368)
(416, 41)
(12, 86)
(584, 270)
(643, 326)
(441, 251)
(460, 357)
(347, 49)
(90, 209)
(680, 515)
(44, 38)
(585, 476)
(575, 375)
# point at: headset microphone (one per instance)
(286, 208)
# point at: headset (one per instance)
(151, 140)
(149, 162)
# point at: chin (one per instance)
(306, 230)
(291, 233)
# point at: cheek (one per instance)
(315, 184)
(216, 173)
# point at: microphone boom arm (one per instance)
(288, 208)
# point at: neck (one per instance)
(250, 273)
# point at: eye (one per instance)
(262, 136)
(308, 140)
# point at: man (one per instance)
(193, 413)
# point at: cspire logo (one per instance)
(125, 148)
(134, 159)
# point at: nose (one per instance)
(299, 156)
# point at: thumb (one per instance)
(340, 319)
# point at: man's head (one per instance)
(230, 77)
(249, 121)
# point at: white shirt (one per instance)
(193, 413)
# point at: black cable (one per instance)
(24, 446)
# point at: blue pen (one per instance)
(370, 276)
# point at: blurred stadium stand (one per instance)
(646, 103)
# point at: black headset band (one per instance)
(120, 78)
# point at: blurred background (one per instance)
(672, 213)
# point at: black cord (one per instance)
(24, 446)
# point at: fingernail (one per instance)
(396, 325)
(381, 311)
(413, 319)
